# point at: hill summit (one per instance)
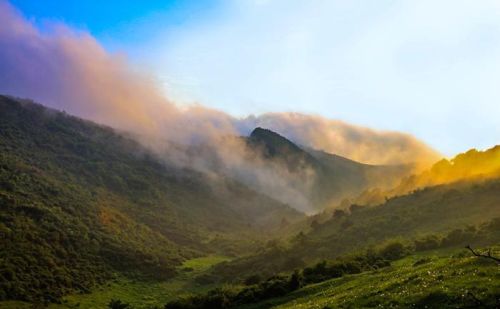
(326, 178)
(274, 142)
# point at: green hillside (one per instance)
(432, 211)
(400, 273)
(79, 202)
(440, 279)
(88, 215)
(357, 240)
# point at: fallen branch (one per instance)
(487, 256)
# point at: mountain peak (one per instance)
(273, 141)
(259, 131)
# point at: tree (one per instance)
(338, 213)
(296, 280)
(315, 224)
(253, 279)
(393, 250)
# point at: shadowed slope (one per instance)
(79, 201)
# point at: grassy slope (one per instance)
(140, 294)
(435, 210)
(445, 276)
(439, 279)
(147, 294)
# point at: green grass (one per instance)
(200, 265)
(438, 279)
(140, 294)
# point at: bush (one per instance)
(427, 243)
(296, 280)
(280, 285)
(315, 273)
(253, 279)
(226, 298)
(393, 250)
(117, 304)
(458, 237)
(339, 213)
(348, 265)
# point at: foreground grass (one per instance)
(139, 294)
(438, 279)
(430, 280)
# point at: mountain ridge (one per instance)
(335, 177)
(81, 202)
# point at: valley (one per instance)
(253, 154)
(89, 216)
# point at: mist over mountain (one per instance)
(325, 179)
(467, 166)
(69, 70)
(83, 204)
(91, 201)
(444, 216)
(114, 195)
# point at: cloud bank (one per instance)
(69, 70)
(427, 67)
(334, 136)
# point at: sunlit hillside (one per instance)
(468, 166)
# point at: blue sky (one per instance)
(430, 68)
(101, 17)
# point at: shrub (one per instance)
(456, 237)
(296, 280)
(427, 243)
(117, 304)
(339, 213)
(253, 279)
(393, 250)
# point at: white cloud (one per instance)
(431, 68)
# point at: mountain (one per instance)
(275, 146)
(334, 178)
(444, 204)
(416, 250)
(436, 247)
(88, 214)
(80, 202)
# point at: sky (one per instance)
(429, 68)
